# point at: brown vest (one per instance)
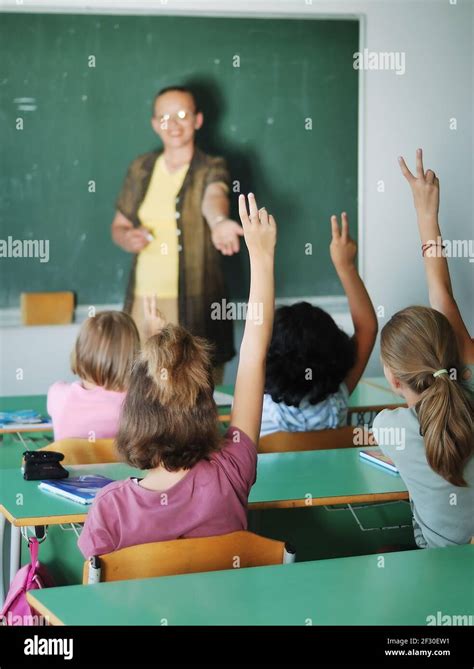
(200, 280)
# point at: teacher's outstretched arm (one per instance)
(225, 232)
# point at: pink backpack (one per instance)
(33, 576)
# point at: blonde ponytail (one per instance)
(416, 344)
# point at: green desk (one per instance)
(371, 395)
(284, 480)
(36, 403)
(345, 591)
(295, 479)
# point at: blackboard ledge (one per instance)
(334, 304)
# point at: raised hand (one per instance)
(424, 186)
(154, 320)
(343, 248)
(259, 227)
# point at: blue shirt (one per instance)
(330, 413)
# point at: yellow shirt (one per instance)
(157, 264)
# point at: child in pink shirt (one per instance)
(196, 484)
(102, 358)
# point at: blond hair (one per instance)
(169, 417)
(105, 349)
(416, 343)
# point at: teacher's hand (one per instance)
(128, 237)
(135, 240)
(225, 236)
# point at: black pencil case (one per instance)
(40, 465)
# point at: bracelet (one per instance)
(218, 220)
(425, 247)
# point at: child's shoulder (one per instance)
(58, 394)
(235, 435)
(112, 489)
(401, 416)
(59, 386)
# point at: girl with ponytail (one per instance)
(195, 483)
(435, 453)
(428, 358)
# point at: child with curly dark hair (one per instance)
(312, 365)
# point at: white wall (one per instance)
(35, 357)
(399, 113)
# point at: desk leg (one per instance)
(23, 442)
(15, 551)
(2, 553)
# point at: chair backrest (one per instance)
(85, 452)
(188, 556)
(279, 442)
(47, 308)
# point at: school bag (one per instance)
(34, 576)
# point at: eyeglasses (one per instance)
(180, 117)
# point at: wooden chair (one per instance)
(188, 556)
(47, 308)
(282, 442)
(84, 452)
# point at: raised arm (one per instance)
(343, 251)
(260, 237)
(425, 189)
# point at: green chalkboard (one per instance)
(285, 118)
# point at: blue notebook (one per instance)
(81, 489)
(22, 418)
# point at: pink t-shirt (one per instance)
(211, 499)
(76, 411)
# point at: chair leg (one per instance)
(289, 554)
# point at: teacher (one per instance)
(173, 214)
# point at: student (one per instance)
(312, 365)
(424, 352)
(195, 485)
(103, 356)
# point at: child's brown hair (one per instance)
(105, 350)
(416, 343)
(169, 416)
